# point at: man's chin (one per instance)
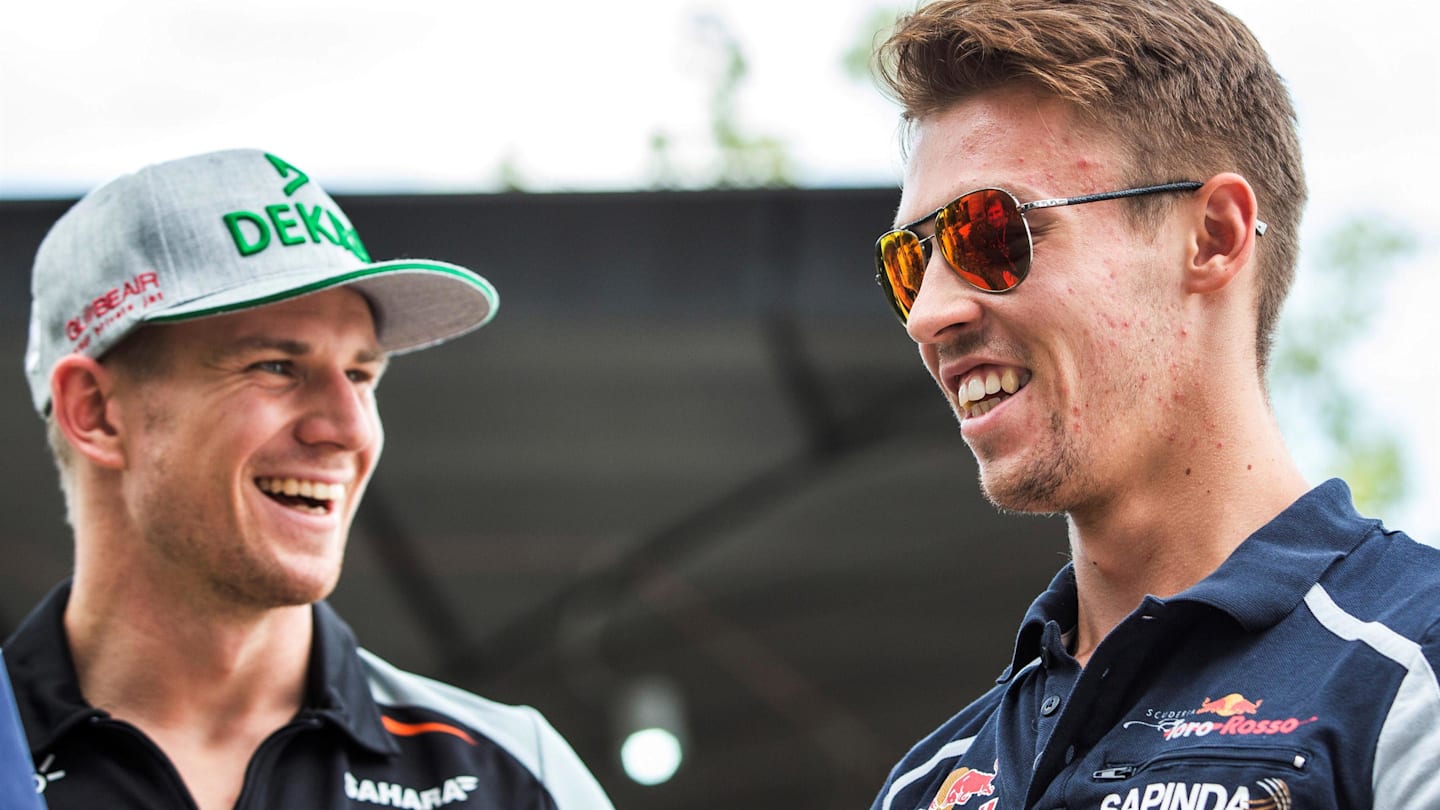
(276, 589)
(1022, 491)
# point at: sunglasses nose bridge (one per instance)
(944, 300)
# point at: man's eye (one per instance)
(272, 366)
(359, 375)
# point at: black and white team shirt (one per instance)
(1300, 674)
(369, 736)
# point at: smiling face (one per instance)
(253, 446)
(995, 214)
(1064, 386)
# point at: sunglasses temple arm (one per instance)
(1109, 195)
(1260, 226)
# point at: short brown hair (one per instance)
(1183, 86)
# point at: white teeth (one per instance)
(317, 490)
(976, 389)
(976, 394)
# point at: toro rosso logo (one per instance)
(964, 784)
(1235, 711)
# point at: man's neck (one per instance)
(185, 661)
(207, 687)
(1168, 534)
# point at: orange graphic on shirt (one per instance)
(400, 729)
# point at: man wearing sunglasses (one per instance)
(207, 336)
(1226, 636)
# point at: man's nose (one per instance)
(944, 301)
(339, 412)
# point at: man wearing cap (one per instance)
(1225, 636)
(206, 338)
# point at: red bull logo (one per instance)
(964, 784)
(1228, 706)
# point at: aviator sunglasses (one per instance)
(983, 235)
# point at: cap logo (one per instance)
(301, 178)
(253, 233)
(113, 306)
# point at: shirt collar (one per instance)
(1059, 603)
(1258, 585)
(47, 691)
(338, 690)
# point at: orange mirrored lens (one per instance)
(901, 260)
(984, 237)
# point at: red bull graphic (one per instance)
(964, 784)
(1228, 706)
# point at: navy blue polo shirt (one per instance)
(1300, 674)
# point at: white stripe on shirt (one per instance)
(1404, 773)
(954, 748)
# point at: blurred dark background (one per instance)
(694, 445)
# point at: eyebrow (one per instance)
(293, 348)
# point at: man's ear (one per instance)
(81, 403)
(1224, 233)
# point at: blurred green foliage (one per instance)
(1313, 378)
(877, 26)
(742, 159)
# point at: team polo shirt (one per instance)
(1300, 674)
(368, 735)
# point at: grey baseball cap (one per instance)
(217, 233)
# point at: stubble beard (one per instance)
(217, 568)
(1038, 485)
(225, 573)
(253, 587)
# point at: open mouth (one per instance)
(980, 390)
(310, 497)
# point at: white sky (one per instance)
(433, 95)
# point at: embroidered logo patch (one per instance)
(1234, 711)
(389, 794)
(46, 774)
(123, 302)
(1228, 706)
(964, 784)
(287, 225)
(1266, 794)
